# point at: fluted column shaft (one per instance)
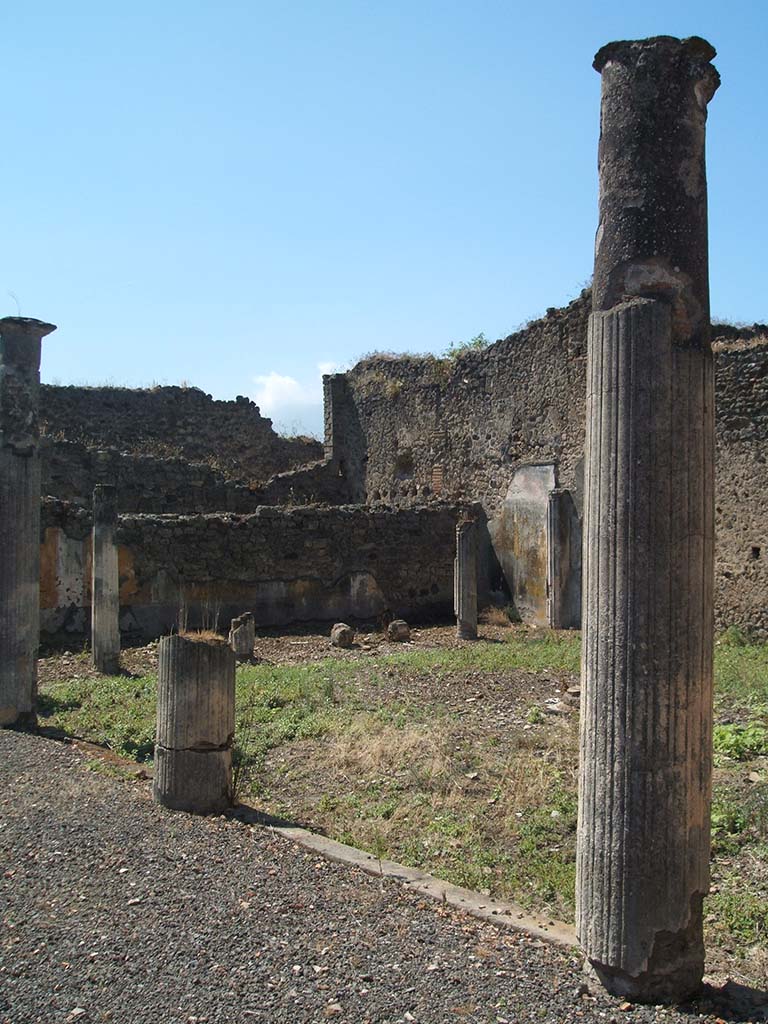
(465, 580)
(105, 582)
(20, 343)
(646, 725)
(195, 724)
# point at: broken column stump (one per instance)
(242, 636)
(646, 724)
(20, 342)
(195, 725)
(465, 580)
(105, 582)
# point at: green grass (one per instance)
(532, 652)
(411, 782)
(741, 671)
(276, 704)
(488, 819)
(115, 711)
(742, 742)
(737, 908)
(740, 914)
(739, 815)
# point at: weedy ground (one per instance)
(460, 758)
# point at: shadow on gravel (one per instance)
(133, 757)
(48, 732)
(733, 1002)
(252, 816)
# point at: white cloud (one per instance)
(292, 404)
(275, 391)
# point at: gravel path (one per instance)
(116, 910)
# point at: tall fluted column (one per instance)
(465, 580)
(646, 726)
(20, 340)
(105, 583)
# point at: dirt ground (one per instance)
(498, 699)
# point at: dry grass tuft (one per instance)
(494, 616)
(203, 636)
(431, 768)
(740, 344)
(371, 746)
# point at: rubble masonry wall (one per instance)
(283, 564)
(458, 429)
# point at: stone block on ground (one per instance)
(342, 635)
(399, 631)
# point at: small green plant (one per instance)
(534, 715)
(733, 636)
(742, 915)
(379, 849)
(741, 742)
(729, 822)
(458, 348)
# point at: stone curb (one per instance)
(498, 912)
(483, 908)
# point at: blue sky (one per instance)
(241, 195)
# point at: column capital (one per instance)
(652, 236)
(20, 338)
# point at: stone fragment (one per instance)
(242, 636)
(399, 631)
(342, 635)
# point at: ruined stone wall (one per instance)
(741, 509)
(404, 432)
(323, 482)
(459, 429)
(346, 452)
(176, 423)
(145, 483)
(148, 484)
(285, 565)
